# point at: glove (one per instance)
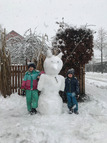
(23, 92)
(39, 92)
(63, 95)
(77, 96)
(38, 78)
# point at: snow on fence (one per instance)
(17, 74)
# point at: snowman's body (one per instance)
(50, 84)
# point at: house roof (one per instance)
(13, 34)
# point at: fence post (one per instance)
(18, 79)
(5, 68)
(82, 79)
(0, 70)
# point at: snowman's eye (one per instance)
(51, 61)
(57, 61)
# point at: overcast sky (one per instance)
(20, 15)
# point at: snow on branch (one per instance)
(27, 48)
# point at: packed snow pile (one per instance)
(90, 126)
(50, 101)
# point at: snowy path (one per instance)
(98, 79)
(97, 76)
(90, 126)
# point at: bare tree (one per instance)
(101, 43)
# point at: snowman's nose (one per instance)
(55, 66)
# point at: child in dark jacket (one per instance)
(71, 90)
(29, 84)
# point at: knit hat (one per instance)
(31, 65)
(71, 71)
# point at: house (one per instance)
(13, 41)
(13, 34)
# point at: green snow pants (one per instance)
(31, 99)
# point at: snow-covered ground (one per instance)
(90, 126)
(97, 79)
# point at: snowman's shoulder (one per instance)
(42, 76)
(61, 77)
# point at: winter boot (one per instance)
(31, 113)
(76, 112)
(70, 111)
(34, 110)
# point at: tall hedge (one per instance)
(76, 45)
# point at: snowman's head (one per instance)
(53, 64)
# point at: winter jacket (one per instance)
(30, 80)
(71, 85)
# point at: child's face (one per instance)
(70, 75)
(31, 69)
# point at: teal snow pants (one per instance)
(31, 99)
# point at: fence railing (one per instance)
(17, 74)
(97, 67)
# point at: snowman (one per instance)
(50, 83)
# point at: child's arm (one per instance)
(24, 82)
(40, 73)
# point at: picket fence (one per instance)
(17, 74)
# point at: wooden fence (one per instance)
(81, 79)
(17, 74)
